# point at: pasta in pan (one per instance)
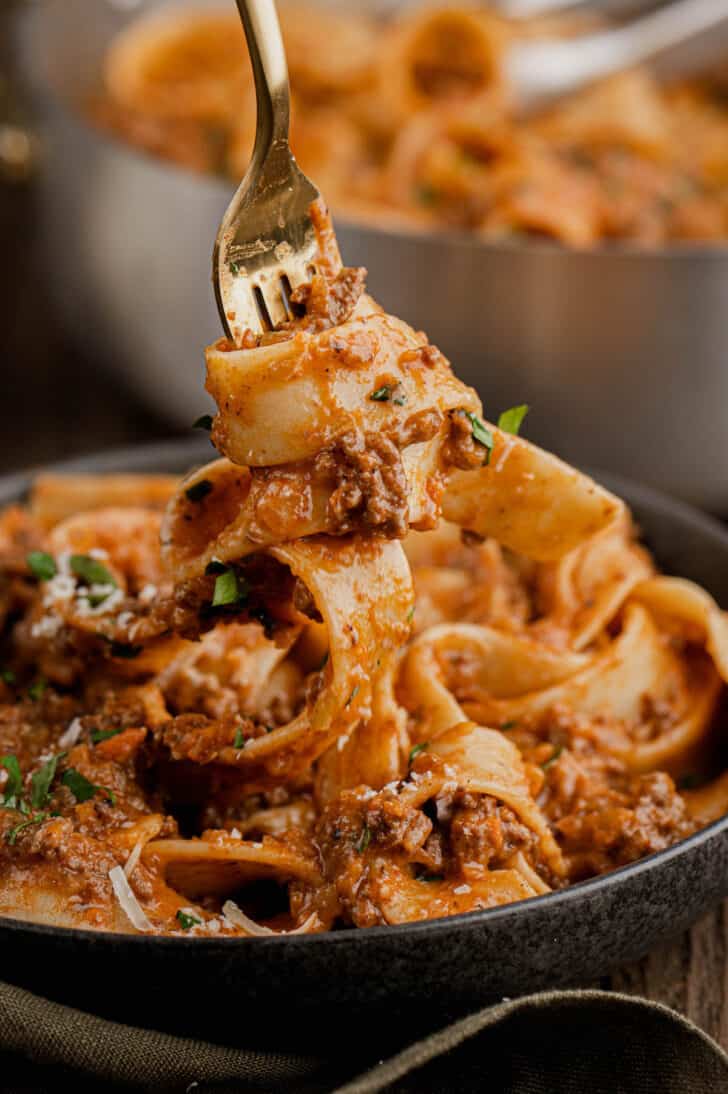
(410, 122)
(380, 661)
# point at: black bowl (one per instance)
(321, 984)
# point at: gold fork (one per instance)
(266, 245)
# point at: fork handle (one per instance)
(270, 72)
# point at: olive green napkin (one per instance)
(565, 1042)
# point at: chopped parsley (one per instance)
(91, 571)
(411, 614)
(234, 268)
(203, 422)
(384, 393)
(82, 788)
(185, 919)
(352, 697)
(215, 566)
(14, 785)
(431, 877)
(558, 749)
(510, 420)
(239, 741)
(36, 689)
(415, 751)
(12, 834)
(689, 781)
(364, 839)
(7, 676)
(426, 195)
(41, 781)
(125, 650)
(508, 725)
(41, 565)
(481, 434)
(199, 490)
(99, 735)
(229, 589)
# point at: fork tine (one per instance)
(271, 291)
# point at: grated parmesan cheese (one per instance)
(70, 736)
(148, 594)
(462, 889)
(129, 903)
(133, 860)
(47, 626)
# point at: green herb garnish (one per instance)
(364, 839)
(415, 751)
(411, 614)
(91, 571)
(481, 434)
(508, 725)
(12, 834)
(431, 877)
(82, 788)
(14, 785)
(558, 749)
(199, 490)
(41, 565)
(352, 697)
(234, 268)
(228, 589)
(689, 781)
(382, 395)
(239, 741)
(36, 689)
(400, 400)
(203, 422)
(7, 676)
(41, 780)
(99, 735)
(510, 420)
(186, 920)
(426, 195)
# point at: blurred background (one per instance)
(541, 186)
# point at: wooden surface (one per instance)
(56, 404)
(689, 974)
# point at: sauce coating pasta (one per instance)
(381, 661)
(410, 123)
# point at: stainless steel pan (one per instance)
(622, 353)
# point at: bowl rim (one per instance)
(184, 451)
(373, 224)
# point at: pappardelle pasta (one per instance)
(410, 123)
(381, 661)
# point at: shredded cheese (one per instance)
(131, 862)
(238, 918)
(70, 736)
(129, 903)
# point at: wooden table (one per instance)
(56, 404)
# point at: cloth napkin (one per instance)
(561, 1042)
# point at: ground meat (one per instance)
(326, 303)
(486, 833)
(461, 449)
(369, 486)
(200, 739)
(613, 829)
